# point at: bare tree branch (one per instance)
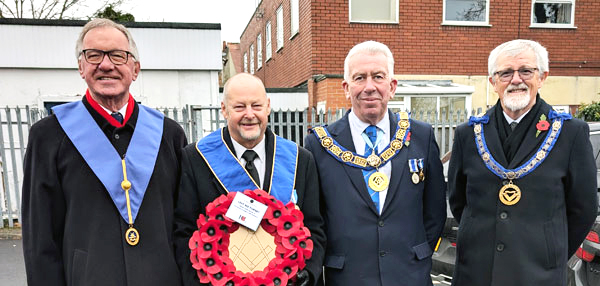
(54, 9)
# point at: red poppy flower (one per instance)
(408, 137)
(542, 125)
(210, 244)
(287, 225)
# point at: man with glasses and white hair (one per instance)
(381, 179)
(521, 180)
(101, 177)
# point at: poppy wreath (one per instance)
(210, 243)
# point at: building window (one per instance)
(553, 13)
(294, 17)
(279, 28)
(374, 11)
(252, 59)
(268, 47)
(245, 63)
(258, 52)
(466, 12)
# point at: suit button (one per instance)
(500, 247)
(382, 253)
(381, 223)
(503, 215)
(117, 136)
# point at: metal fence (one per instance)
(196, 121)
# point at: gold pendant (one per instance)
(510, 194)
(422, 176)
(378, 181)
(415, 178)
(132, 236)
(373, 160)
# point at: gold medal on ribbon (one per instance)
(510, 194)
(378, 181)
(422, 175)
(132, 236)
(415, 178)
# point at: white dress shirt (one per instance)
(357, 127)
(259, 162)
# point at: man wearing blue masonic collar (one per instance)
(246, 155)
(100, 177)
(521, 180)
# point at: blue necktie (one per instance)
(371, 132)
(117, 116)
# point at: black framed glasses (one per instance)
(117, 57)
(507, 74)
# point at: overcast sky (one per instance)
(232, 14)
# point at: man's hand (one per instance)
(303, 278)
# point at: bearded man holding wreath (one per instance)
(244, 156)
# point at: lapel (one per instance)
(269, 145)
(492, 139)
(340, 132)
(530, 142)
(398, 164)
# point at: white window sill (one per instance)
(465, 24)
(552, 26)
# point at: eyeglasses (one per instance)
(524, 73)
(117, 57)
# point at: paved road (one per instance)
(12, 267)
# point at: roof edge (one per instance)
(80, 23)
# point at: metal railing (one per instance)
(196, 121)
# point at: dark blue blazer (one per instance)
(394, 248)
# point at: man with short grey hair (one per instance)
(521, 180)
(101, 177)
(381, 179)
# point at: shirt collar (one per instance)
(357, 124)
(518, 120)
(259, 149)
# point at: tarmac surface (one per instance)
(12, 266)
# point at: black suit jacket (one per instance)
(530, 242)
(72, 232)
(394, 248)
(199, 187)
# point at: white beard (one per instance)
(516, 102)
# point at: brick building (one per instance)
(303, 43)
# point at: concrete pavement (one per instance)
(12, 266)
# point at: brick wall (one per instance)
(290, 66)
(421, 45)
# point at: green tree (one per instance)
(589, 112)
(110, 13)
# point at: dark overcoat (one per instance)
(394, 248)
(530, 242)
(199, 187)
(72, 232)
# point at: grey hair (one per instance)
(373, 48)
(99, 23)
(516, 47)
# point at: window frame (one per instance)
(485, 23)
(251, 52)
(268, 42)
(553, 25)
(259, 51)
(294, 17)
(279, 28)
(396, 19)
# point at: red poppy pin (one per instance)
(542, 125)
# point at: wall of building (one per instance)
(422, 45)
(165, 88)
(179, 62)
(291, 65)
